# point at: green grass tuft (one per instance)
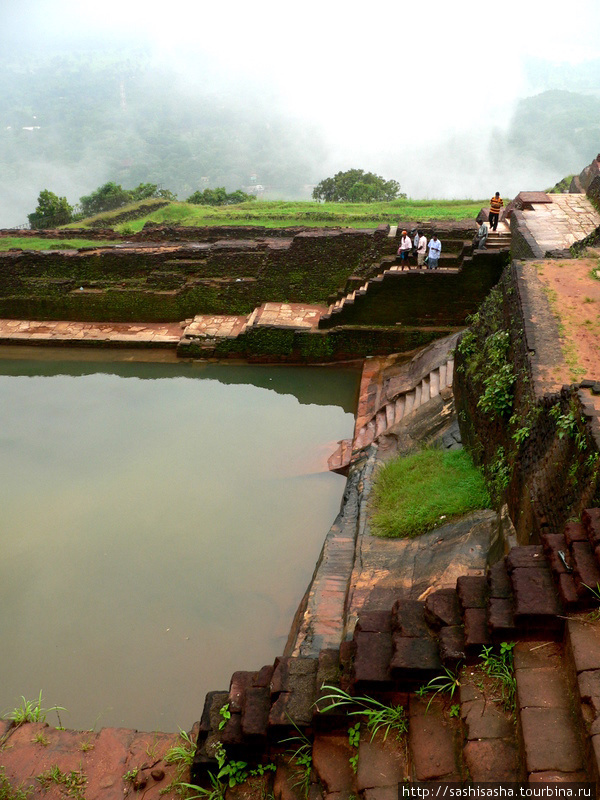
(416, 493)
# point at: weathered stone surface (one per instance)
(237, 689)
(231, 733)
(484, 720)
(575, 532)
(550, 740)
(584, 639)
(589, 690)
(591, 521)
(499, 580)
(414, 658)
(210, 714)
(408, 619)
(431, 742)
(330, 762)
(542, 688)
(554, 543)
(501, 618)
(535, 596)
(255, 715)
(586, 566)
(472, 591)
(381, 793)
(558, 777)
(328, 670)
(381, 762)
(374, 622)
(452, 645)
(372, 659)
(537, 655)
(567, 590)
(295, 702)
(525, 557)
(283, 784)
(264, 676)
(492, 760)
(442, 609)
(476, 629)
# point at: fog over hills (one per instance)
(280, 99)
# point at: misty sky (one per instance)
(411, 91)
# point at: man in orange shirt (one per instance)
(496, 204)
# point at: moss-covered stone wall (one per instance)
(173, 282)
(540, 452)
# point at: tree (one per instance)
(356, 186)
(109, 196)
(51, 211)
(219, 197)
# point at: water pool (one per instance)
(160, 525)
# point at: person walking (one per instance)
(496, 204)
(404, 249)
(435, 250)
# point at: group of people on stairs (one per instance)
(428, 254)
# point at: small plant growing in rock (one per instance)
(500, 668)
(378, 716)
(354, 741)
(31, 711)
(71, 783)
(181, 753)
(225, 715)
(9, 792)
(447, 683)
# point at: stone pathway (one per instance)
(559, 224)
(135, 334)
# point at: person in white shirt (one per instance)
(421, 250)
(404, 249)
(435, 249)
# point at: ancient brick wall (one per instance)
(540, 455)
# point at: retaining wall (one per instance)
(541, 451)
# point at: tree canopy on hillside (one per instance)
(219, 197)
(356, 186)
(51, 211)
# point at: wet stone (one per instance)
(525, 557)
(431, 741)
(472, 591)
(551, 741)
(499, 580)
(584, 638)
(237, 690)
(374, 622)
(442, 609)
(414, 658)
(476, 629)
(408, 619)
(372, 659)
(541, 688)
(586, 567)
(452, 645)
(575, 532)
(535, 596)
(255, 715)
(501, 617)
(331, 753)
(492, 760)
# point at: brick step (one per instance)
(548, 725)
(339, 461)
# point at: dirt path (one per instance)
(573, 288)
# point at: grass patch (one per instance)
(415, 493)
(33, 243)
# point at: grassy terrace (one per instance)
(416, 493)
(33, 243)
(282, 214)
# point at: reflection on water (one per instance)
(161, 523)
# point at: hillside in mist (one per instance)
(69, 122)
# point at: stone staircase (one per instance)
(498, 240)
(431, 385)
(543, 724)
(449, 262)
